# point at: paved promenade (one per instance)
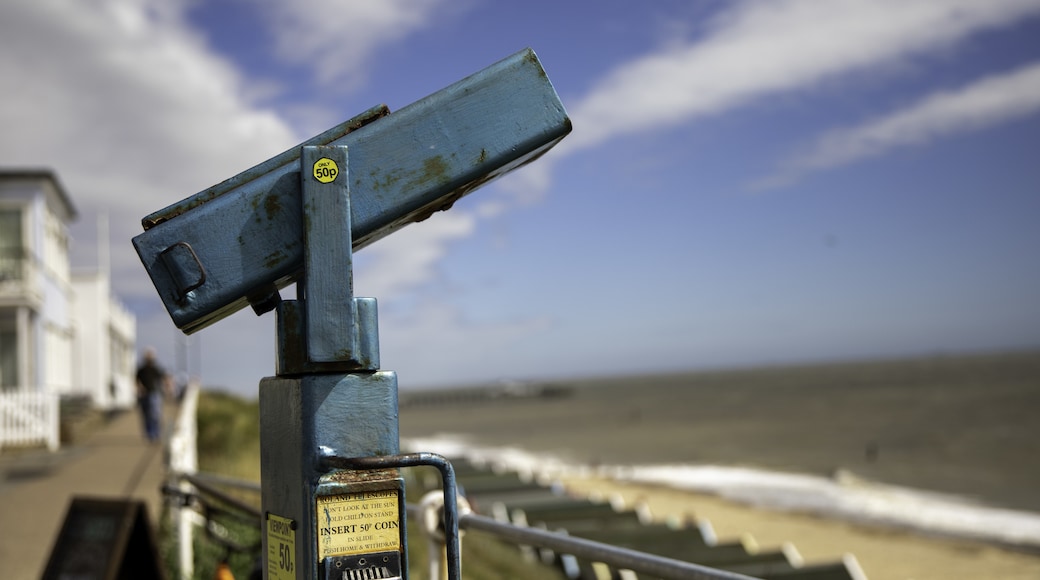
(36, 487)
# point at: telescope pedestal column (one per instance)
(329, 400)
(354, 414)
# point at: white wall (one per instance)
(53, 325)
(122, 333)
(73, 337)
(105, 345)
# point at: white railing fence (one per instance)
(29, 419)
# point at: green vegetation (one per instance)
(229, 444)
(229, 435)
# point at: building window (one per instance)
(8, 359)
(12, 251)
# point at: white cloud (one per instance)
(130, 109)
(438, 345)
(337, 39)
(122, 99)
(409, 257)
(523, 187)
(992, 100)
(756, 49)
(134, 112)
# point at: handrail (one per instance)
(623, 558)
(618, 557)
(215, 479)
(205, 486)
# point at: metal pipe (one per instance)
(226, 481)
(205, 487)
(622, 558)
(451, 512)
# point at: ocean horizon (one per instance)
(844, 496)
(946, 445)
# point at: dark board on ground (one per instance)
(104, 539)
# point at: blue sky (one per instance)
(747, 182)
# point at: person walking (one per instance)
(152, 382)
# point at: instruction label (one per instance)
(281, 548)
(357, 523)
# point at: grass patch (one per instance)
(229, 435)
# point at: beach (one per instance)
(956, 431)
(883, 553)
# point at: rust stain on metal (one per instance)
(273, 206)
(444, 204)
(274, 259)
(435, 169)
(532, 58)
(388, 181)
(359, 476)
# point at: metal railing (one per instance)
(620, 558)
(207, 490)
(194, 490)
(13, 263)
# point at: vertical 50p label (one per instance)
(281, 548)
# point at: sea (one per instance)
(844, 496)
(944, 445)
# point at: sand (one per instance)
(882, 554)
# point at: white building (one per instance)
(58, 333)
(104, 346)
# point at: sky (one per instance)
(746, 183)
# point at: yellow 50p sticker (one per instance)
(325, 170)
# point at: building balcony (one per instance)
(19, 277)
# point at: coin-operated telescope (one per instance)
(331, 489)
